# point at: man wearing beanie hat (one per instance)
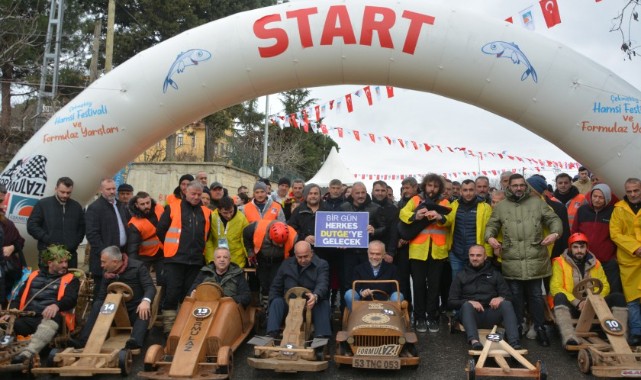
(262, 206)
(283, 191)
(593, 220)
(179, 191)
(538, 183)
(125, 192)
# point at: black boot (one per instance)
(542, 338)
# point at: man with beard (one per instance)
(184, 229)
(179, 191)
(119, 268)
(106, 226)
(295, 199)
(390, 216)
(482, 298)
(216, 192)
(522, 218)
(584, 183)
(52, 294)
(593, 220)
(303, 220)
(467, 222)
(58, 220)
(569, 195)
(483, 188)
(360, 201)
(262, 206)
(624, 230)
(227, 225)
(282, 192)
(428, 251)
(574, 265)
(334, 198)
(143, 243)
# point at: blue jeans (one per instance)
(456, 264)
(351, 296)
(634, 317)
(320, 316)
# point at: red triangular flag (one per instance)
(550, 11)
(372, 137)
(389, 141)
(415, 145)
(401, 142)
(331, 104)
(317, 109)
(427, 147)
(340, 131)
(509, 19)
(357, 135)
(368, 94)
(348, 100)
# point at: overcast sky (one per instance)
(423, 117)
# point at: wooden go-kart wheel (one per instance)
(593, 284)
(121, 288)
(378, 291)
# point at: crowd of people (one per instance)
(484, 254)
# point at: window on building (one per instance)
(193, 141)
(179, 139)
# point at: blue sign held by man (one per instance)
(341, 229)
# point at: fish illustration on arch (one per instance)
(511, 50)
(189, 58)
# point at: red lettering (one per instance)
(413, 32)
(280, 35)
(304, 30)
(344, 29)
(382, 27)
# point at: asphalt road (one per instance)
(443, 356)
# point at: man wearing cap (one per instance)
(574, 265)
(262, 206)
(522, 217)
(183, 228)
(52, 294)
(268, 243)
(217, 192)
(306, 270)
(282, 192)
(593, 220)
(540, 186)
(58, 219)
(179, 191)
(125, 192)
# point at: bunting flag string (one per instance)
(404, 143)
(457, 175)
(549, 9)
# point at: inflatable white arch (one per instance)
(540, 84)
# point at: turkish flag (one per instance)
(350, 106)
(293, 120)
(372, 137)
(368, 94)
(317, 109)
(550, 11)
(357, 135)
(340, 132)
(324, 129)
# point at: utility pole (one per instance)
(111, 15)
(56, 13)
(93, 68)
(266, 134)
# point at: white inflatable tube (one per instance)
(546, 87)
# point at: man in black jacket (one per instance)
(390, 215)
(360, 201)
(118, 268)
(106, 221)
(306, 270)
(482, 297)
(58, 219)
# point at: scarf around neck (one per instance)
(121, 268)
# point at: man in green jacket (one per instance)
(525, 259)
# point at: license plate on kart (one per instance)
(376, 362)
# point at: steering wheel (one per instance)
(121, 288)
(594, 285)
(378, 291)
(296, 292)
(209, 291)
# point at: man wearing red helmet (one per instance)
(268, 243)
(574, 265)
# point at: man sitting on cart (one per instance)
(228, 275)
(375, 269)
(306, 270)
(52, 295)
(118, 268)
(482, 297)
(574, 265)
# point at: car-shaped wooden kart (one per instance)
(295, 352)
(377, 334)
(604, 358)
(208, 329)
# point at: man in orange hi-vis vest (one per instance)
(183, 228)
(262, 206)
(50, 293)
